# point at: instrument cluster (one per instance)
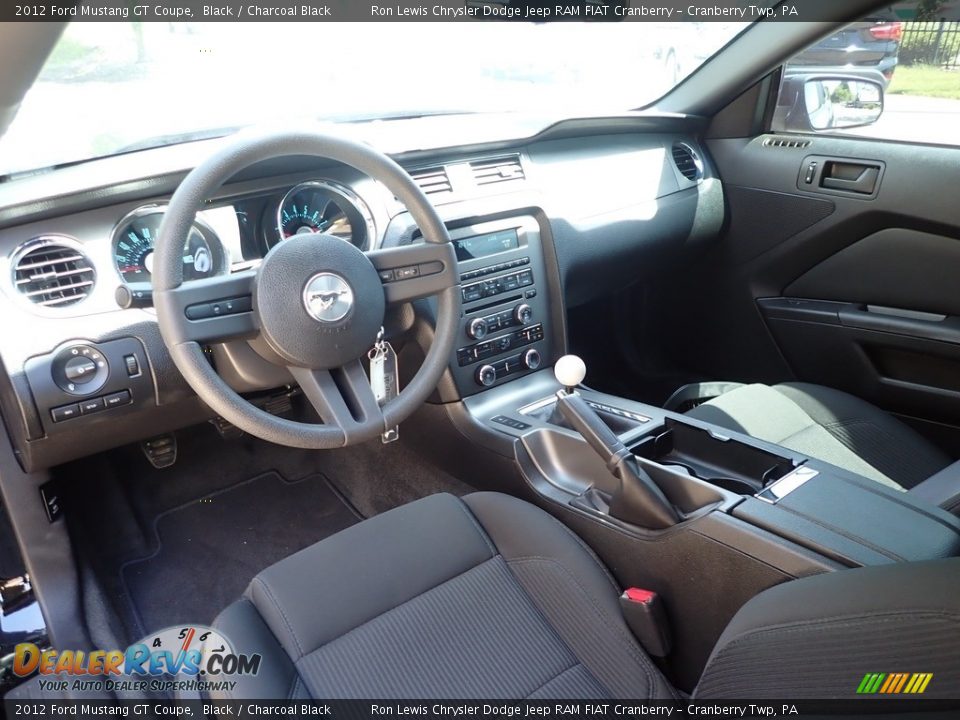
(243, 230)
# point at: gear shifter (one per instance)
(638, 500)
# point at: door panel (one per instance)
(895, 267)
(856, 291)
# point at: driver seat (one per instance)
(489, 597)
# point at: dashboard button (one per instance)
(117, 399)
(92, 405)
(386, 276)
(405, 273)
(65, 412)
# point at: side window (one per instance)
(894, 75)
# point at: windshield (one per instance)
(112, 87)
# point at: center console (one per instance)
(712, 477)
(504, 328)
(706, 517)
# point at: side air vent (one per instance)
(497, 170)
(432, 180)
(52, 271)
(687, 161)
(785, 142)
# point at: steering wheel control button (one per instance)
(65, 412)
(409, 272)
(80, 369)
(405, 273)
(328, 297)
(227, 306)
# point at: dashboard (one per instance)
(538, 225)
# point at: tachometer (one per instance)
(133, 240)
(324, 207)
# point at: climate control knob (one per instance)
(486, 375)
(477, 328)
(523, 313)
(532, 359)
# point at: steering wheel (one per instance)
(315, 304)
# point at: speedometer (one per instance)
(133, 242)
(325, 207)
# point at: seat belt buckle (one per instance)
(646, 617)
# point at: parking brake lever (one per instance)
(638, 500)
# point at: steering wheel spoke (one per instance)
(342, 397)
(412, 272)
(215, 309)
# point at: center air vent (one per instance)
(432, 180)
(52, 271)
(497, 170)
(687, 161)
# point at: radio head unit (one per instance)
(504, 330)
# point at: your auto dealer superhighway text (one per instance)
(455, 710)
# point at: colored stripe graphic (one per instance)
(903, 681)
(891, 680)
(894, 683)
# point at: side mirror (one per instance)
(828, 103)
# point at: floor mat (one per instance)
(209, 549)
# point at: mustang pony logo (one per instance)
(327, 297)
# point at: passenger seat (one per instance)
(837, 428)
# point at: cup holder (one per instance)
(723, 462)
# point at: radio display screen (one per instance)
(480, 246)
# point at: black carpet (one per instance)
(209, 549)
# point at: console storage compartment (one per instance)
(718, 460)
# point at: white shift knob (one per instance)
(570, 371)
